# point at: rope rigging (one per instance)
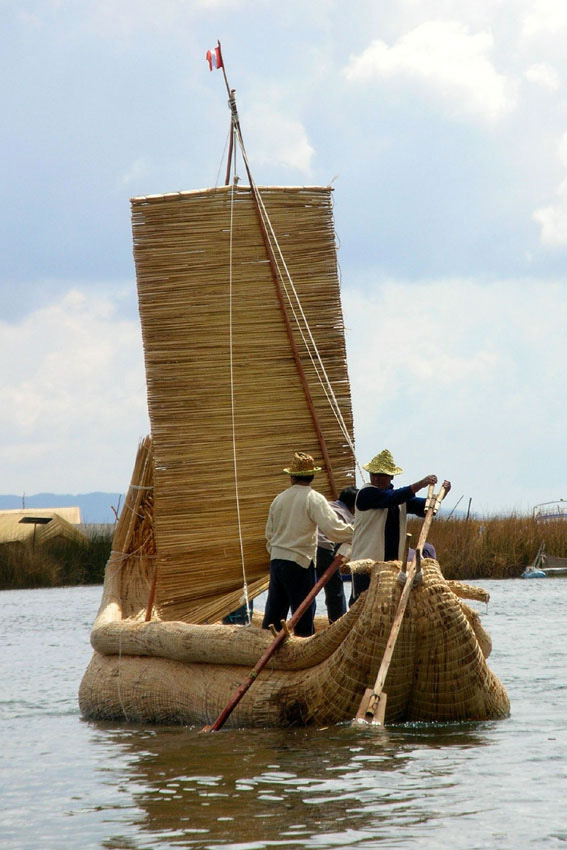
(291, 293)
(232, 407)
(284, 284)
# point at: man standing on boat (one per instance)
(291, 534)
(334, 589)
(380, 516)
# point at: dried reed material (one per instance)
(132, 563)
(438, 670)
(482, 636)
(468, 591)
(13, 530)
(134, 528)
(189, 321)
(212, 644)
(180, 672)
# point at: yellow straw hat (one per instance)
(383, 464)
(302, 465)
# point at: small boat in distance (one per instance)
(545, 565)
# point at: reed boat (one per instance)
(245, 361)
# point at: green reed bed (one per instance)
(493, 547)
(56, 563)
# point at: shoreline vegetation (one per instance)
(493, 547)
(467, 549)
(55, 563)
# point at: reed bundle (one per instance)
(133, 557)
(134, 528)
(206, 298)
(183, 673)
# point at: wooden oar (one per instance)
(281, 636)
(372, 707)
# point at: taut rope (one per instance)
(232, 413)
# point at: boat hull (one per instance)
(180, 673)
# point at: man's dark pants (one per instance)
(334, 591)
(289, 585)
(360, 583)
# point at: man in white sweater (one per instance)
(291, 534)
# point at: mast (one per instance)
(235, 129)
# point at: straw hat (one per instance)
(384, 464)
(302, 465)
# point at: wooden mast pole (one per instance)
(229, 157)
(279, 293)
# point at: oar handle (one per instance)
(431, 511)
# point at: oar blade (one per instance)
(372, 708)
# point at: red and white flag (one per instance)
(214, 58)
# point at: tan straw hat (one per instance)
(302, 464)
(383, 463)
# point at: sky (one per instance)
(442, 127)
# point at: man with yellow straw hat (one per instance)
(291, 535)
(380, 515)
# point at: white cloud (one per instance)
(553, 217)
(545, 17)
(448, 59)
(562, 150)
(455, 377)
(460, 379)
(74, 401)
(277, 140)
(543, 75)
(138, 169)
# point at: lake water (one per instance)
(66, 783)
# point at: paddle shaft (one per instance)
(275, 645)
(402, 604)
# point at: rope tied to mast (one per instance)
(283, 282)
(233, 418)
(277, 260)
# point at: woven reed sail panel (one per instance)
(191, 311)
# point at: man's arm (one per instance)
(327, 520)
(269, 531)
(372, 498)
(417, 506)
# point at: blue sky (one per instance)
(443, 129)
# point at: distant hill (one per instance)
(95, 507)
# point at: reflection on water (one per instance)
(66, 783)
(265, 787)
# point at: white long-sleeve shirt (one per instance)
(293, 519)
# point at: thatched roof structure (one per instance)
(38, 526)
